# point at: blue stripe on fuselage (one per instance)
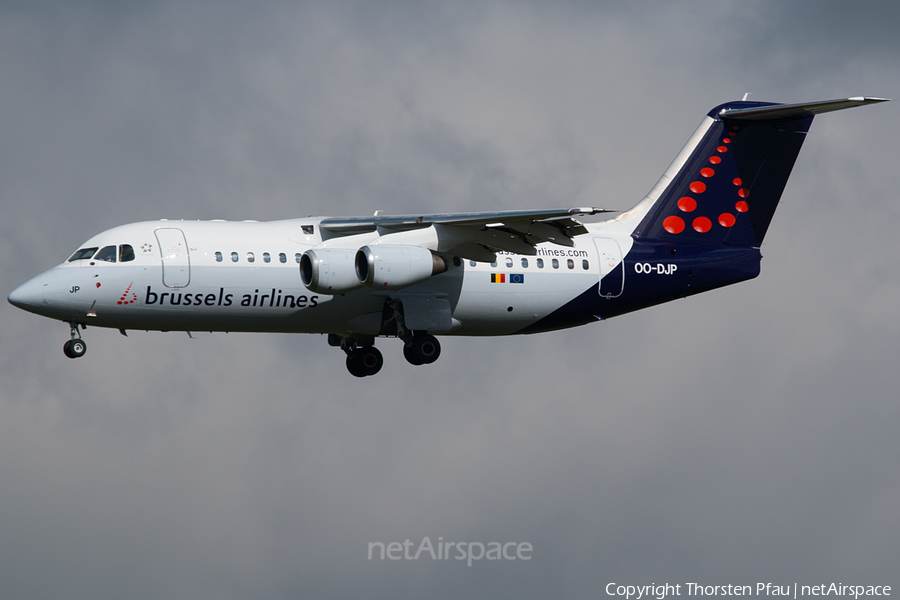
(657, 273)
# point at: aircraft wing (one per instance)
(477, 235)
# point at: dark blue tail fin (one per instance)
(725, 185)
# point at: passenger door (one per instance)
(176, 262)
(612, 267)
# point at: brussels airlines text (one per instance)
(273, 298)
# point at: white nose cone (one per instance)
(27, 296)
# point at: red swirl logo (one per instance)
(124, 299)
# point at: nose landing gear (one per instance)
(75, 347)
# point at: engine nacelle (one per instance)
(329, 270)
(396, 267)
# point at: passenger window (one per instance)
(472, 263)
(540, 263)
(555, 263)
(83, 254)
(570, 263)
(282, 257)
(494, 264)
(107, 254)
(297, 257)
(126, 253)
(524, 263)
(218, 257)
(250, 257)
(266, 257)
(585, 265)
(234, 257)
(509, 263)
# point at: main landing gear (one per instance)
(421, 349)
(75, 347)
(364, 359)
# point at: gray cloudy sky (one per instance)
(744, 435)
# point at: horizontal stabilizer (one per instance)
(793, 111)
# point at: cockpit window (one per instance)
(83, 254)
(126, 253)
(308, 229)
(107, 253)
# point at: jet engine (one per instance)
(329, 270)
(395, 267)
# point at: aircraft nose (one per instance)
(27, 296)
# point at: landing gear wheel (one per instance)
(430, 349)
(364, 361)
(371, 359)
(354, 366)
(75, 348)
(422, 350)
(411, 356)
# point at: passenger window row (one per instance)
(125, 253)
(540, 263)
(251, 257)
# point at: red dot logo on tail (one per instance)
(687, 204)
(702, 224)
(673, 224)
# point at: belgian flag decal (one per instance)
(502, 278)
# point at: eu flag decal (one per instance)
(498, 277)
(517, 277)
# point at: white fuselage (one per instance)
(244, 276)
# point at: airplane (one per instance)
(415, 277)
